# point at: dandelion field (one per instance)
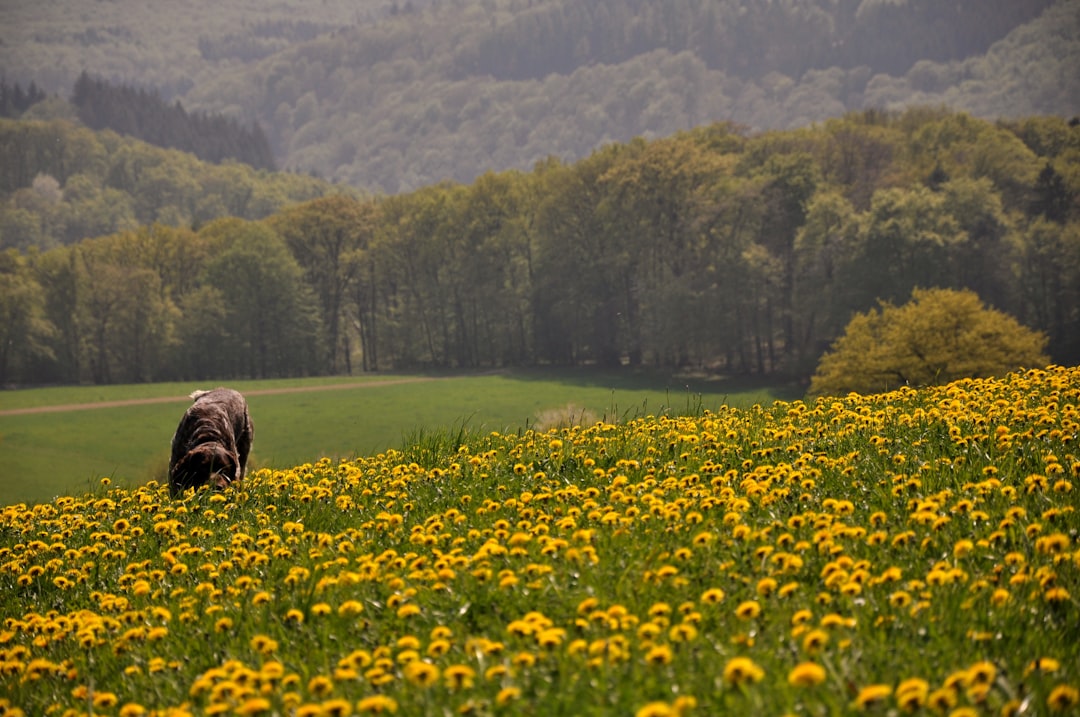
(916, 552)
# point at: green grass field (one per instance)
(58, 453)
(911, 553)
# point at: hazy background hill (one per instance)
(391, 96)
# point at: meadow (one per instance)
(65, 452)
(916, 552)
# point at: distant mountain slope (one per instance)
(62, 183)
(398, 105)
(170, 46)
(391, 96)
(144, 115)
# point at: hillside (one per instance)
(394, 96)
(62, 183)
(915, 552)
(710, 249)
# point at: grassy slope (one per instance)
(58, 453)
(911, 552)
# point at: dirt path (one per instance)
(185, 399)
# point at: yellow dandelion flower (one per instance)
(550, 638)
(320, 685)
(1056, 595)
(656, 709)
(263, 644)
(524, 660)
(739, 670)
(350, 608)
(104, 699)
(683, 632)
(438, 648)
(423, 674)
(962, 548)
(1045, 665)
(712, 596)
(814, 641)
(659, 655)
(408, 642)
(458, 677)
(253, 706)
(800, 617)
(587, 605)
(377, 704)
(872, 695)
(911, 694)
(748, 610)
(1063, 698)
(806, 674)
(1052, 544)
(408, 610)
(941, 699)
(684, 704)
(964, 712)
(496, 672)
(336, 708)
(766, 587)
(833, 620)
(660, 608)
(900, 599)
(507, 695)
(981, 673)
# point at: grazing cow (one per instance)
(212, 442)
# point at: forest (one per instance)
(143, 114)
(389, 97)
(62, 182)
(14, 100)
(715, 248)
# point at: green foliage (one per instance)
(25, 332)
(450, 90)
(63, 183)
(144, 115)
(14, 100)
(939, 336)
(713, 249)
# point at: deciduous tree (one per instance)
(940, 335)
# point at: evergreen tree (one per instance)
(143, 114)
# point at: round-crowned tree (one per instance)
(940, 335)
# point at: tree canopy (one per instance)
(711, 250)
(393, 96)
(939, 336)
(143, 114)
(62, 183)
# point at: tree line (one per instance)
(458, 89)
(390, 101)
(747, 39)
(62, 183)
(710, 248)
(14, 100)
(143, 114)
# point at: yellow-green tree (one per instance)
(940, 335)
